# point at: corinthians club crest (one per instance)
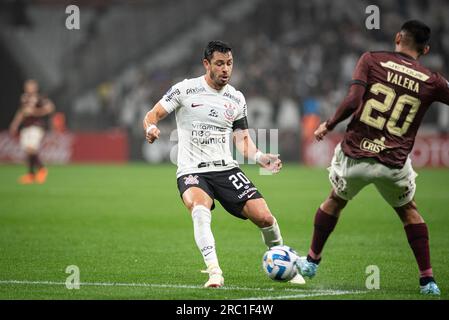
(229, 112)
(191, 180)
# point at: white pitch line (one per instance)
(314, 294)
(99, 284)
(302, 293)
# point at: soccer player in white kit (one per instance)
(208, 110)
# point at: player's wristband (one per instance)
(151, 126)
(257, 156)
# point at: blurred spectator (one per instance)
(310, 119)
(58, 123)
(286, 50)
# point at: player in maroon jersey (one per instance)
(31, 119)
(388, 97)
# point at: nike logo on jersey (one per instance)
(194, 105)
(250, 195)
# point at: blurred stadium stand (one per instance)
(292, 58)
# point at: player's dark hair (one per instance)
(216, 45)
(418, 35)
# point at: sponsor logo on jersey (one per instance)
(195, 90)
(207, 139)
(216, 163)
(170, 94)
(248, 192)
(191, 180)
(205, 126)
(232, 97)
(194, 105)
(204, 134)
(213, 113)
(406, 70)
(229, 112)
(373, 146)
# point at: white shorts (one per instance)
(31, 137)
(348, 176)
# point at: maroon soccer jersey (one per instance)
(33, 101)
(398, 93)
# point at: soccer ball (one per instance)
(279, 263)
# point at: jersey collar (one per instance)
(406, 55)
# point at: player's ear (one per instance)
(398, 38)
(206, 64)
(426, 50)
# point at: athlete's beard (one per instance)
(217, 81)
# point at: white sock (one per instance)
(272, 235)
(203, 234)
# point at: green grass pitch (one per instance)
(126, 230)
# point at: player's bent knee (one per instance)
(192, 205)
(333, 204)
(407, 208)
(412, 206)
(337, 201)
(192, 198)
(30, 151)
(409, 214)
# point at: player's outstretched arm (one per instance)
(247, 147)
(321, 131)
(349, 105)
(151, 120)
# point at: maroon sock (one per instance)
(30, 163)
(324, 225)
(37, 162)
(418, 238)
(34, 163)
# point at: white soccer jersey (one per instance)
(204, 117)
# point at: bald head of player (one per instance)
(218, 63)
(413, 39)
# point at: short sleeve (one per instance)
(442, 89)
(360, 75)
(172, 99)
(242, 111)
(240, 121)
